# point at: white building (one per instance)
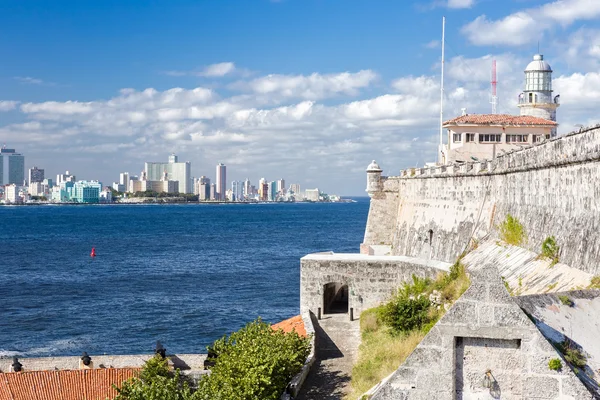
(176, 171)
(311, 194)
(485, 136)
(66, 177)
(281, 186)
(11, 194)
(221, 181)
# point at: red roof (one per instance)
(85, 384)
(499, 119)
(294, 323)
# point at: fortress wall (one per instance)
(370, 279)
(552, 189)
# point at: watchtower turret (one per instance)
(374, 183)
(537, 99)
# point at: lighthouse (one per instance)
(537, 99)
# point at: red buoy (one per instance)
(93, 253)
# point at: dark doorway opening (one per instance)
(335, 298)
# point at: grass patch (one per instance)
(595, 282)
(391, 331)
(550, 250)
(551, 286)
(512, 231)
(573, 355)
(566, 300)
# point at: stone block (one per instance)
(510, 316)
(462, 312)
(572, 386)
(538, 387)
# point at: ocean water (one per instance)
(181, 274)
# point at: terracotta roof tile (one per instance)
(294, 323)
(87, 384)
(499, 119)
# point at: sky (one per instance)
(306, 90)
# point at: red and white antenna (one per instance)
(494, 85)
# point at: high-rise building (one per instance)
(236, 191)
(36, 175)
(86, 192)
(221, 181)
(263, 191)
(12, 167)
(246, 190)
(124, 179)
(281, 186)
(213, 191)
(311, 194)
(66, 177)
(176, 171)
(295, 189)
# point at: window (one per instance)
(517, 138)
(470, 137)
(457, 137)
(531, 97)
(490, 138)
(540, 138)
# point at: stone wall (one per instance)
(181, 361)
(370, 279)
(552, 188)
(483, 333)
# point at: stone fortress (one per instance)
(421, 220)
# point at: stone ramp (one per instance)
(337, 341)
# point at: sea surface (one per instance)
(181, 274)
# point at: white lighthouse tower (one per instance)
(537, 99)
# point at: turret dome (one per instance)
(373, 167)
(538, 64)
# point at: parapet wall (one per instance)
(553, 189)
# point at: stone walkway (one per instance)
(337, 341)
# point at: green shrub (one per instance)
(566, 300)
(405, 314)
(253, 363)
(156, 381)
(550, 249)
(555, 364)
(512, 232)
(572, 354)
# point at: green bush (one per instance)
(566, 300)
(572, 354)
(512, 231)
(156, 382)
(253, 363)
(555, 364)
(550, 249)
(404, 314)
(595, 282)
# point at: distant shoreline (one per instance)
(178, 203)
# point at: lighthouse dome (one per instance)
(538, 64)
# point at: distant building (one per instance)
(247, 189)
(213, 191)
(86, 192)
(221, 182)
(311, 194)
(106, 195)
(295, 189)
(48, 182)
(123, 184)
(66, 177)
(176, 171)
(37, 189)
(11, 194)
(236, 191)
(12, 167)
(272, 191)
(281, 186)
(35, 175)
(263, 191)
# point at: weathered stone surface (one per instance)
(538, 387)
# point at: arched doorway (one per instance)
(335, 298)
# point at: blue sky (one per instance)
(308, 90)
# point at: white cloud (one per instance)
(29, 80)
(312, 87)
(8, 105)
(527, 26)
(460, 3)
(210, 71)
(434, 44)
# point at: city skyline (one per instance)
(278, 98)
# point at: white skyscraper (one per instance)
(221, 181)
(176, 171)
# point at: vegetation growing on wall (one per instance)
(252, 363)
(512, 231)
(566, 300)
(595, 282)
(555, 364)
(391, 331)
(572, 354)
(550, 249)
